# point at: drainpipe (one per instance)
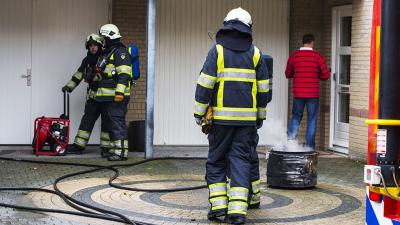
(151, 42)
(389, 88)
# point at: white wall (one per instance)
(181, 46)
(60, 28)
(15, 60)
(46, 36)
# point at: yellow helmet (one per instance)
(93, 39)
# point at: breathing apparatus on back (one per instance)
(111, 34)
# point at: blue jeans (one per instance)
(312, 105)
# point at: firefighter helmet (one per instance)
(93, 39)
(110, 31)
(240, 15)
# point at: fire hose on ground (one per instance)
(81, 207)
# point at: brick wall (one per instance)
(131, 18)
(359, 90)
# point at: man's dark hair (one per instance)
(308, 38)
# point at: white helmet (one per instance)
(111, 31)
(241, 15)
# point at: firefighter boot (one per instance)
(74, 149)
(255, 196)
(118, 155)
(105, 152)
(254, 206)
(236, 219)
(215, 214)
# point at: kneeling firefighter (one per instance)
(234, 83)
(114, 89)
(92, 112)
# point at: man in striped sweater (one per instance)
(306, 67)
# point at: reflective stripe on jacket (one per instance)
(235, 84)
(117, 74)
(78, 77)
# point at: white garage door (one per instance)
(48, 41)
(181, 46)
(15, 60)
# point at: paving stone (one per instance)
(338, 198)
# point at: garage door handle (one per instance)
(28, 77)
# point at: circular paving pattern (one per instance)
(326, 204)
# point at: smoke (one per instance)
(276, 135)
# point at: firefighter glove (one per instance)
(198, 120)
(118, 97)
(207, 121)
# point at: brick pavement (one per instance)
(338, 198)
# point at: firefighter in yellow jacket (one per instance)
(86, 72)
(234, 83)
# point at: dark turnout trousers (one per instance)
(92, 112)
(233, 148)
(116, 112)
